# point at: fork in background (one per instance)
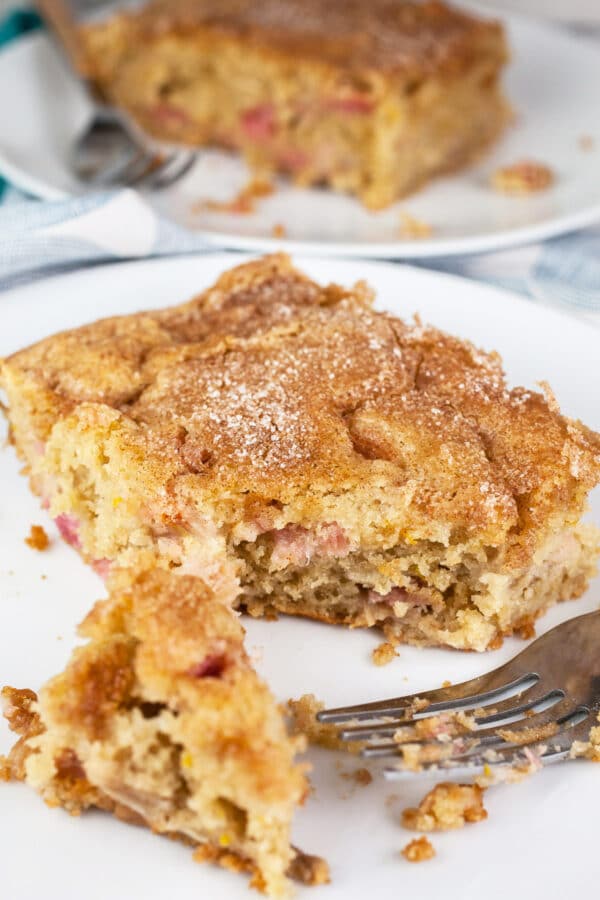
(109, 152)
(549, 695)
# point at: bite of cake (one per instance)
(160, 719)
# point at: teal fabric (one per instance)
(11, 26)
(16, 23)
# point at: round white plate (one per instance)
(547, 823)
(553, 83)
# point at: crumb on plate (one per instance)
(524, 177)
(361, 777)
(383, 654)
(278, 230)
(418, 850)
(445, 807)
(309, 870)
(586, 143)
(37, 538)
(244, 201)
(412, 228)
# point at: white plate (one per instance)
(548, 821)
(553, 83)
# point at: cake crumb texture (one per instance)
(525, 177)
(446, 806)
(418, 850)
(37, 538)
(384, 654)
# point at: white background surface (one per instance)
(541, 838)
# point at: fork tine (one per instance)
(544, 754)
(128, 173)
(565, 716)
(174, 168)
(155, 164)
(573, 726)
(503, 714)
(469, 694)
(538, 700)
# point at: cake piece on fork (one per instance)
(315, 457)
(369, 98)
(161, 719)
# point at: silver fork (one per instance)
(109, 152)
(554, 684)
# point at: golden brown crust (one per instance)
(407, 38)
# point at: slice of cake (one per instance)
(161, 719)
(371, 98)
(293, 446)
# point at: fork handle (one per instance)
(63, 29)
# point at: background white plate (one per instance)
(553, 83)
(545, 825)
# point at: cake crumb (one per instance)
(37, 539)
(5, 770)
(244, 201)
(412, 229)
(529, 735)
(383, 654)
(208, 853)
(525, 628)
(418, 850)
(445, 807)
(361, 777)
(279, 230)
(304, 721)
(586, 143)
(446, 683)
(309, 870)
(588, 749)
(524, 177)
